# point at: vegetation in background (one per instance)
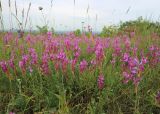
(43, 29)
(139, 26)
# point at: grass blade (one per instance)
(16, 7)
(27, 14)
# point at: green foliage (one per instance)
(77, 32)
(143, 26)
(109, 31)
(43, 29)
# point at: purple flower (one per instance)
(11, 63)
(133, 62)
(61, 56)
(136, 80)
(117, 46)
(93, 62)
(52, 57)
(83, 65)
(49, 35)
(134, 70)
(73, 63)
(21, 64)
(127, 43)
(34, 56)
(3, 65)
(28, 38)
(76, 54)
(127, 77)
(90, 49)
(132, 34)
(113, 61)
(99, 52)
(152, 48)
(67, 43)
(100, 82)
(44, 65)
(143, 60)
(11, 113)
(125, 57)
(25, 58)
(30, 69)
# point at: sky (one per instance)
(66, 15)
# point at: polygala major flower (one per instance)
(34, 56)
(133, 68)
(49, 35)
(3, 65)
(99, 51)
(125, 57)
(83, 65)
(11, 113)
(100, 82)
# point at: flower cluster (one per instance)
(3, 65)
(83, 65)
(23, 62)
(34, 56)
(100, 82)
(99, 51)
(133, 68)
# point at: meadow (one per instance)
(81, 74)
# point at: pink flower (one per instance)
(127, 77)
(132, 34)
(100, 82)
(44, 65)
(21, 64)
(90, 49)
(11, 113)
(127, 43)
(83, 65)
(93, 62)
(3, 65)
(61, 56)
(67, 44)
(34, 56)
(152, 48)
(76, 54)
(11, 63)
(125, 57)
(30, 69)
(49, 35)
(73, 63)
(117, 46)
(99, 52)
(25, 58)
(143, 60)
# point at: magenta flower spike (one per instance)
(83, 65)
(100, 82)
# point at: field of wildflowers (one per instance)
(69, 74)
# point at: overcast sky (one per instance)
(64, 15)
